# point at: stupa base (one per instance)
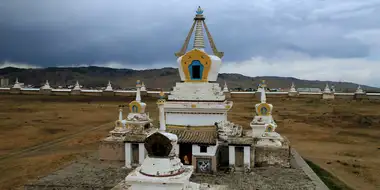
(268, 155)
(112, 149)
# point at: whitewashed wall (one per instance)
(211, 150)
(194, 119)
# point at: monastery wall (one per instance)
(155, 94)
(373, 96)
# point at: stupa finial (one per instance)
(160, 103)
(199, 10)
(120, 112)
(138, 93)
(199, 23)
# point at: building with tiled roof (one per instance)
(196, 110)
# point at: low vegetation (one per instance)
(42, 133)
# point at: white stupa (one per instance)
(16, 85)
(46, 86)
(225, 88)
(76, 87)
(161, 169)
(143, 88)
(263, 125)
(293, 91)
(327, 89)
(359, 90)
(109, 87)
(293, 88)
(328, 93)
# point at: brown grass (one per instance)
(340, 136)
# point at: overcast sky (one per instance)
(309, 39)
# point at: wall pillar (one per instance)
(247, 156)
(128, 155)
(141, 153)
(177, 150)
(231, 155)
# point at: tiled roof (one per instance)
(194, 135)
(135, 138)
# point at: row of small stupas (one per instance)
(194, 134)
(327, 93)
(76, 87)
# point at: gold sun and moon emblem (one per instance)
(269, 128)
(197, 58)
(118, 124)
(135, 107)
(161, 100)
(263, 109)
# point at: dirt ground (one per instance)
(40, 134)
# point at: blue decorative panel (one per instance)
(134, 109)
(196, 70)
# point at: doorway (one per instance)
(135, 153)
(185, 153)
(223, 156)
(239, 156)
(196, 70)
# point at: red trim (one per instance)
(167, 175)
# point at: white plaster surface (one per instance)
(197, 91)
(161, 166)
(247, 156)
(231, 155)
(193, 119)
(211, 150)
(141, 153)
(139, 181)
(128, 155)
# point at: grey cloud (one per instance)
(51, 33)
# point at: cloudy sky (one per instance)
(309, 39)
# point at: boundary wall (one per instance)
(155, 94)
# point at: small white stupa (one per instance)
(263, 125)
(161, 169)
(143, 88)
(76, 87)
(46, 86)
(137, 121)
(327, 93)
(109, 87)
(120, 126)
(225, 88)
(16, 85)
(359, 90)
(327, 89)
(293, 91)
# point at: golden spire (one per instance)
(161, 100)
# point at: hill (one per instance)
(92, 77)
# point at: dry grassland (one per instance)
(42, 133)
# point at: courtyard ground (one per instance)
(40, 134)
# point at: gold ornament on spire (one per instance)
(161, 100)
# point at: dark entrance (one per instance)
(185, 153)
(135, 153)
(239, 156)
(196, 72)
(223, 157)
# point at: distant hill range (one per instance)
(91, 77)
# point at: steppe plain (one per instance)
(40, 134)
